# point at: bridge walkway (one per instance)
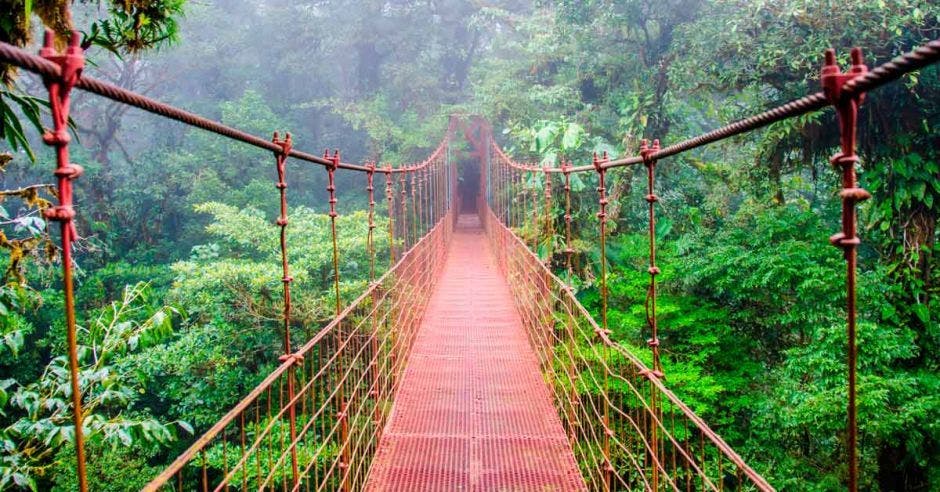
(473, 412)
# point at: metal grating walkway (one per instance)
(473, 412)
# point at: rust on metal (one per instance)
(281, 164)
(70, 65)
(331, 189)
(845, 161)
(357, 370)
(472, 412)
(647, 152)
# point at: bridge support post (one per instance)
(340, 394)
(845, 161)
(376, 391)
(647, 152)
(71, 64)
(281, 161)
(573, 400)
(599, 166)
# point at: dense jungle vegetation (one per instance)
(178, 264)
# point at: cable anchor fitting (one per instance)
(648, 153)
(833, 80)
(334, 161)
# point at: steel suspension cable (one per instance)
(899, 66)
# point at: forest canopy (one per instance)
(178, 261)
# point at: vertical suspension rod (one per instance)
(847, 239)
(71, 63)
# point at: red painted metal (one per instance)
(628, 430)
(916, 59)
(331, 189)
(644, 438)
(647, 152)
(286, 280)
(833, 82)
(473, 412)
(71, 63)
(328, 401)
(569, 251)
(370, 238)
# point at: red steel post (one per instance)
(602, 217)
(647, 152)
(71, 63)
(845, 161)
(281, 161)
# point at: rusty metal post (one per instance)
(647, 152)
(573, 400)
(533, 214)
(569, 251)
(518, 196)
(549, 222)
(428, 197)
(281, 161)
(370, 238)
(414, 208)
(418, 190)
(602, 218)
(375, 393)
(390, 200)
(71, 63)
(524, 210)
(331, 189)
(845, 161)
(403, 209)
(340, 396)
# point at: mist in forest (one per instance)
(178, 261)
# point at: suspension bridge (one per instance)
(469, 364)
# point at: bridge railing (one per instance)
(343, 382)
(316, 419)
(312, 413)
(627, 430)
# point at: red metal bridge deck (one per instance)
(473, 412)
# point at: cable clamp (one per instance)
(69, 171)
(59, 213)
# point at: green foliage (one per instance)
(41, 418)
(132, 26)
(783, 291)
(231, 289)
(750, 300)
(11, 128)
